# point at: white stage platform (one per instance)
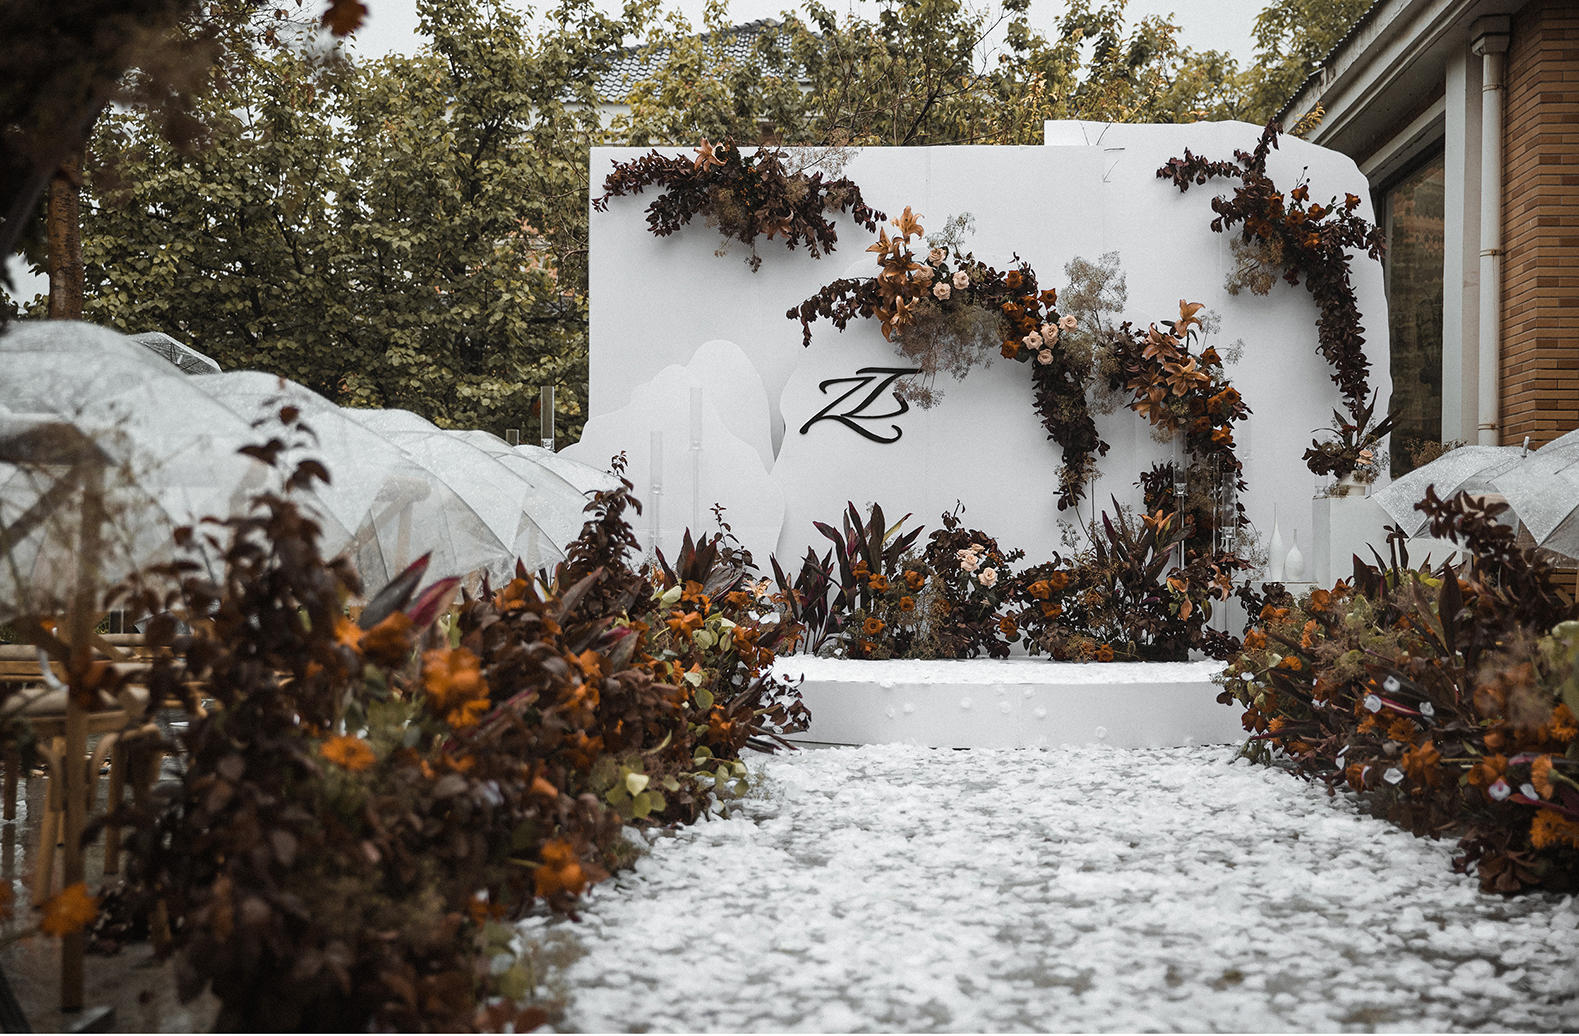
(1012, 703)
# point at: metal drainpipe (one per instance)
(1491, 43)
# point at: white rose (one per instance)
(961, 279)
(988, 576)
(968, 562)
(941, 291)
(1050, 333)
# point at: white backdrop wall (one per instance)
(1093, 190)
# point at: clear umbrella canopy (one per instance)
(556, 504)
(87, 343)
(1468, 469)
(584, 477)
(159, 453)
(502, 498)
(397, 507)
(1544, 492)
(183, 356)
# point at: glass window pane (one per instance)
(1413, 272)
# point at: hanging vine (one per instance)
(746, 197)
(1306, 240)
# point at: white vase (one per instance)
(1277, 553)
(1294, 564)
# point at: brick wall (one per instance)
(1540, 295)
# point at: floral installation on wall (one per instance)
(1300, 239)
(745, 197)
(945, 310)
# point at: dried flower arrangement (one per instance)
(1306, 239)
(744, 196)
(1445, 699)
(945, 310)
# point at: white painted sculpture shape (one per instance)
(682, 457)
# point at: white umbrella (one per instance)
(556, 503)
(397, 507)
(183, 356)
(1544, 492)
(584, 477)
(164, 452)
(1469, 469)
(498, 495)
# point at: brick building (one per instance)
(1464, 114)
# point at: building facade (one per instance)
(1464, 115)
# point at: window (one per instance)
(1413, 207)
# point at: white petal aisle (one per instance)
(903, 888)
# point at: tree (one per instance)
(405, 234)
(1292, 37)
(922, 73)
(63, 62)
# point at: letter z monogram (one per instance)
(877, 379)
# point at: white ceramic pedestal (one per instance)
(1012, 703)
(1341, 527)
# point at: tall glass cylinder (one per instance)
(545, 416)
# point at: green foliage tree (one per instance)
(1292, 37)
(404, 234)
(922, 72)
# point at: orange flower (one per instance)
(745, 637)
(878, 583)
(388, 643)
(70, 910)
(1291, 663)
(1354, 773)
(512, 596)
(873, 626)
(1010, 349)
(454, 683)
(907, 603)
(1059, 579)
(1563, 725)
(1105, 653)
(1308, 635)
(350, 752)
(1007, 627)
(1487, 769)
(1013, 279)
(1319, 600)
(685, 624)
(1255, 640)
(1422, 763)
(914, 579)
(1051, 611)
(1541, 776)
(1041, 590)
(1402, 729)
(1550, 828)
(560, 870)
(693, 592)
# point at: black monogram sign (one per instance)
(875, 381)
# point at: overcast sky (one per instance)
(1206, 24)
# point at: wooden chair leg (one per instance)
(117, 792)
(13, 773)
(52, 828)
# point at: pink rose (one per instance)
(961, 279)
(1067, 321)
(1044, 357)
(936, 256)
(988, 576)
(1033, 341)
(941, 291)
